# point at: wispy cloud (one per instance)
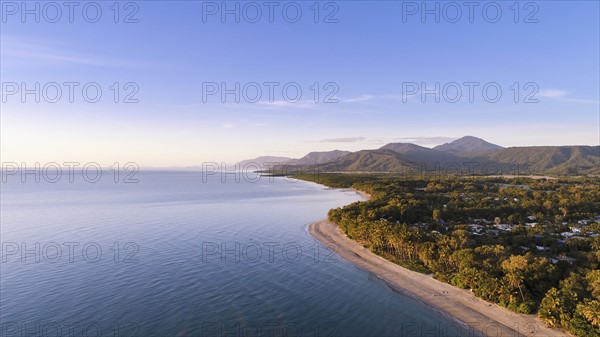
(285, 104)
(44, 52)
(366, 98)
(361, 98)
(229, 125)
(563, 95)
(552, 93)
(179, 106)
(380, 98)
(423, 141)
(399, 97)
(343, 140)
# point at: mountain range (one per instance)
(467, 154)
(312, 158)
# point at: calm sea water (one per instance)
(172, 255)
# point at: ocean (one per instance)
(179, 254)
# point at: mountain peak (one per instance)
(468, 144)
(321, 157)
(264, 161)
(403, 147)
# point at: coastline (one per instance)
(365, 195)
(481, 317)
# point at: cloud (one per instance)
(426, 139)
(179, 106)
(563, 95)
(285, 104)
(382, 97)
(22, 49)
(343, 140)
(552, 93)
(399, 97)
(229, 125)
(361, 98)
(423, 141)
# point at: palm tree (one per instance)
(515, 268)
(551, 307)
(591, 311)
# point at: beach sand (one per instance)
(479, 318)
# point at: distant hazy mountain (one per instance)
(405, 147)
(415, 153)
(320, 157)
(265, 161)
(312, 158)
(468, 144)
(381, 160)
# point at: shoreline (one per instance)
(481, 317)
(365, 195)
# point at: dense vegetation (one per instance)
(528, 245)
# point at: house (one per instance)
(494, 231)
(505, 227)
(557, 259)
(476, 229)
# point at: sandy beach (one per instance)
(479, 318)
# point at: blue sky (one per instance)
(370, 55)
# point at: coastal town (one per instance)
(529, 245)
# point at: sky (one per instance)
(179, 83)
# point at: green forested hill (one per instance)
(467, 155)
(556, 160)
(553, 159)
